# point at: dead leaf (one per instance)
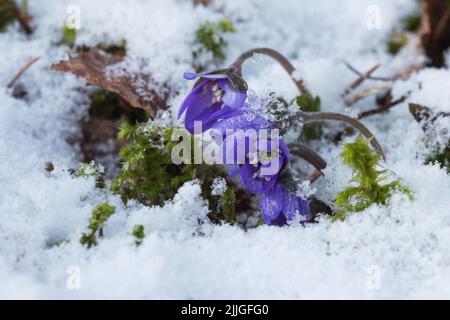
(92, 66)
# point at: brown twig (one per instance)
(23, 19)
(383, 108)
(368, 92)
(21, 71)
(360, 80)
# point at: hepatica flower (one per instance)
(278, 205)
(216, 97)
(246, 141)
(259, 161)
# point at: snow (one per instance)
(400, 250)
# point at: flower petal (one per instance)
(195, 98)
(291, 205)
(256, 185)
(304, 208)
(203, 115)
(232, 97)
(193, 75)
(271, 204)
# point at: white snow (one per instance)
(397, 251)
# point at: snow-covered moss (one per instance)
(368, 177)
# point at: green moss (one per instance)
(86, 170)
(308, 103)
(221, 207)
(396, 42)
(139, 234)
(210, 37)
(411, 23)
(149, 176)
(8, 14)
(11, 12)
(147, 173)
(100, 214)
(440, 156)
(439, 152)
(367, 179)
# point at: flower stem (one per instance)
(304, 152)
(282, 60)
(319, 116)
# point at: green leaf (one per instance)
(69, 36)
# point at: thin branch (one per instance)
(368, 92)
(361, 79)
(21, 71)
(282, 60)
(383, 108)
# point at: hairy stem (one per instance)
(282, 60)
(320, 116)
(304, 152)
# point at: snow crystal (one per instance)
(218, 187)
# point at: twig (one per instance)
(369, 77)
(362, 77)
(368, 92)
(407, 73)
(383, 108)
(21, 71)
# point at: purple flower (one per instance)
(257, 157)
(278, 206)
(215, 98)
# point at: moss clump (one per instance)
(210, 37)
(411, 23)
(368, 177)
(440, 156)
(396, 42)
(221, 207)
(139, 234)
(226, 205)
(308, 103)
(8, 14)
(100, 215)
(148, 174)
(90, 169)
(439, 150)
(11, 12)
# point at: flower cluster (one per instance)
(248, 141)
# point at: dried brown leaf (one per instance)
(92, 66)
